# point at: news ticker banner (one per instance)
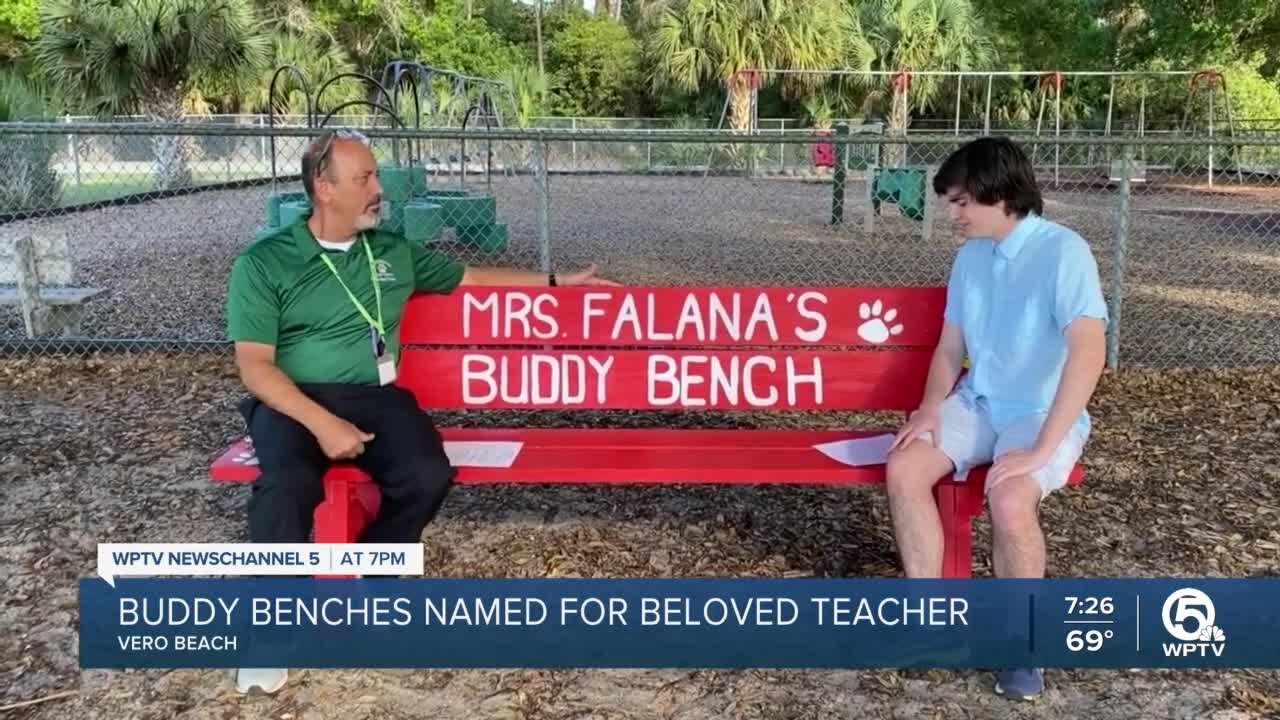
(257, 559)
(679, 623)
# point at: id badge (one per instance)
(386, 360)
(386, 369)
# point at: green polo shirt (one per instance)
(282, 293)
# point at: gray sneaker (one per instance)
(1022, 684)
(266, 680)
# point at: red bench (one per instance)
(686, 349)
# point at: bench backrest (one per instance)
(52, 258)
(721, 348)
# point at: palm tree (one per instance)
(124, 56)
(27, 179)
(291, 17)
(441, 102)
(907, 35)
(319, 59)
(529, 88)
(524, 102)
(821, 108)
(724, 41)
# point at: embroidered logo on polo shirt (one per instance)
(383, 269)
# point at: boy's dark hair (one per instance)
(992, 169)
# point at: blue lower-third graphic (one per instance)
(693, 623)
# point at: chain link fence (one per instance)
(121, 236)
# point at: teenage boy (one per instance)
(1024, 304)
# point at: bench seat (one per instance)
(590, 455)
(637, 456)
(52, 296)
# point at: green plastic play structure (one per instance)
(410, 206)
(412, 209)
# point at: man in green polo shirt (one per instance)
(314, 311)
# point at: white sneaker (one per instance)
(267, 680)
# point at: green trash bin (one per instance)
(903, 186)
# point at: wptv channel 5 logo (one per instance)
(1189, 616)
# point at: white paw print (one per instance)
(875, 328)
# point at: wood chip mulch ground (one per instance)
(1182, 479)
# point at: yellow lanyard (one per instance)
(377, 291)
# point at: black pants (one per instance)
(406, 459)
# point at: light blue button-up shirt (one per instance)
(1013, 299)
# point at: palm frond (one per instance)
(123, 56)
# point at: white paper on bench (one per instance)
(873, 450)
(482, 453)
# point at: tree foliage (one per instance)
(446, 38)
(19, 24)
(645, 56)
(694, 43)
(143, 55)
(595, 66)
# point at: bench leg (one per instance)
(345, 512)
(367, 499)
(347, 508)
(68, 320)
(956, 506)
(333, 515)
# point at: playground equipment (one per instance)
(1052, 88)
(411, 206)
(477, 93)
(892, 177)
(1211, 80)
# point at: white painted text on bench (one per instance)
(649, 379)
(486, 379)
(730, 380)
(647, 316)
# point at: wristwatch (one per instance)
(551, 279)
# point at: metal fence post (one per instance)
(839, 175)
(782, 146)
(868, 215)
(930, 201)
(73, 148)
(231, 149)
(1120, 243)
(544, 204)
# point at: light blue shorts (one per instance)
(969, 439)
